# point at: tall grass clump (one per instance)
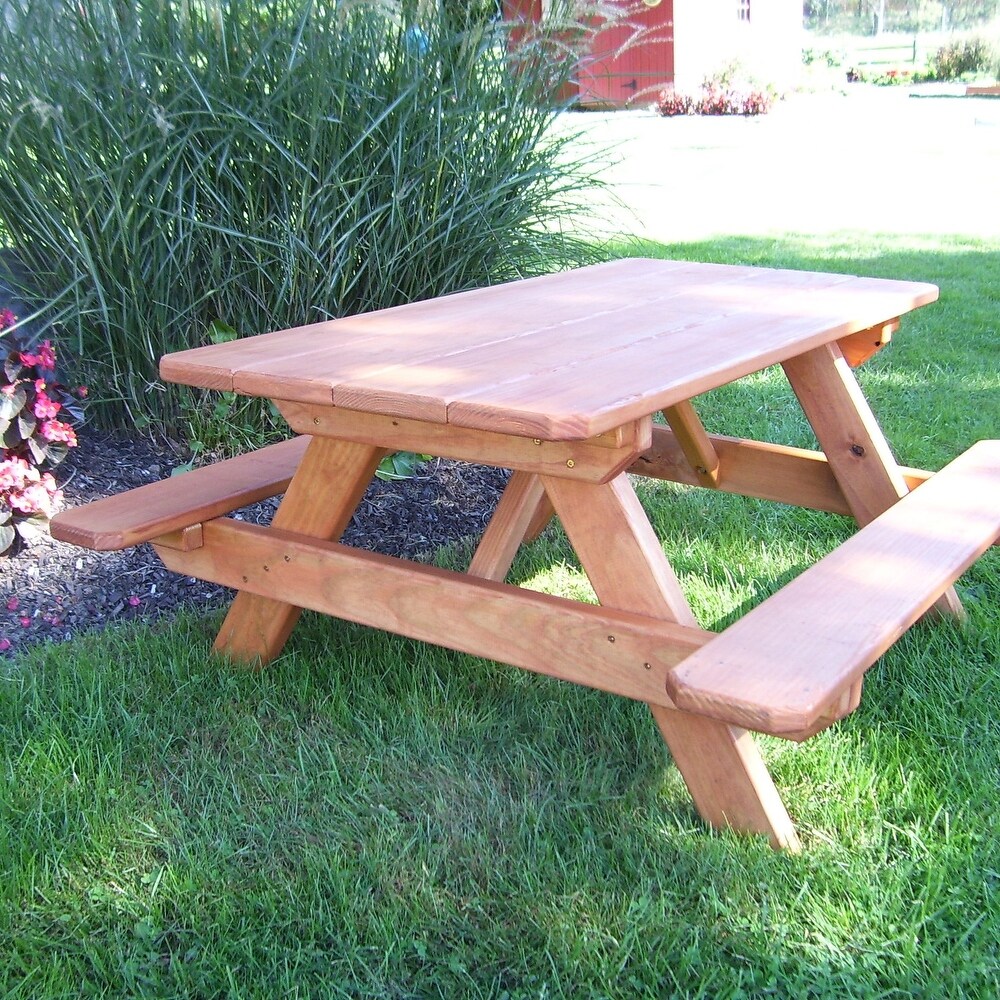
(173, 166)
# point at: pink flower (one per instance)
(5, 644)
(12, 604)
(82, 391)
(56, 430)
(40, 385)
(30, 360)
(25, 621)
(46, 355)
(134, 602)
(46, 408)
(13, 473)
(38, 498)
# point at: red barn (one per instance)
(641, 46)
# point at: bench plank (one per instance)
(158, 508)
(782, 668)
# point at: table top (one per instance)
(561, 357)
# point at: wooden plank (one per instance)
(598, 321)
(623, 559)
(507, 528)
(621, 652)
(319, 503)
(159, 508)
(859, 347)
(540, 519)
(849, 434)
(780, 668)
(470, 339)
(795, 476)
(587, 395)
(306, 362)
(564, 357)
(847, 431)
(694, 442)
(596, 460)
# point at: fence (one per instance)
(879, 53)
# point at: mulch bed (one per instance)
(51, 591)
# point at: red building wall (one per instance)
(629, 60)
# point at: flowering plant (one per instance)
(714, 100)
(33, 436)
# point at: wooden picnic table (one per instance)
(559, 378)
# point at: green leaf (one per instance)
(221, 333)
(7, 535)
(400, 465)
(12, 369)
(11, 405)
(39, 451)
(57, 451)
(11, 437)
(26, 424)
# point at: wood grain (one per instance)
(319, 503)
(857, 450)
(694, 442)
(781, 667)
(624, 653)
(563, 357)
(777, 472)
(622, 557)
(859, 347)
(159, 508)
(508, 527)
(595, 460)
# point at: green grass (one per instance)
(371, 817)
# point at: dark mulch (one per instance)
(51, 591)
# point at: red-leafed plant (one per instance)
(37, 414)
(715, 99)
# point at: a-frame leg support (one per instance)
(625, 563)
(256, 628)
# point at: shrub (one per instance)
(889, 78)
(967, 55)
(828, 57)
(671, 103)
(169, 165)
(34, 431)
(713, 101)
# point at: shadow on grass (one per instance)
(371, 817)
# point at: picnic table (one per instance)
(559, 379)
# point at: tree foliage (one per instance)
(872, 16)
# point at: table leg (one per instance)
(695, 442)
(857, 450)
(541, 518)
(624, 561)
(511, 521)
(320, 500)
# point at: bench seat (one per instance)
(156, 509)
(787, 667)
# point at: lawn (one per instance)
(371, 817)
